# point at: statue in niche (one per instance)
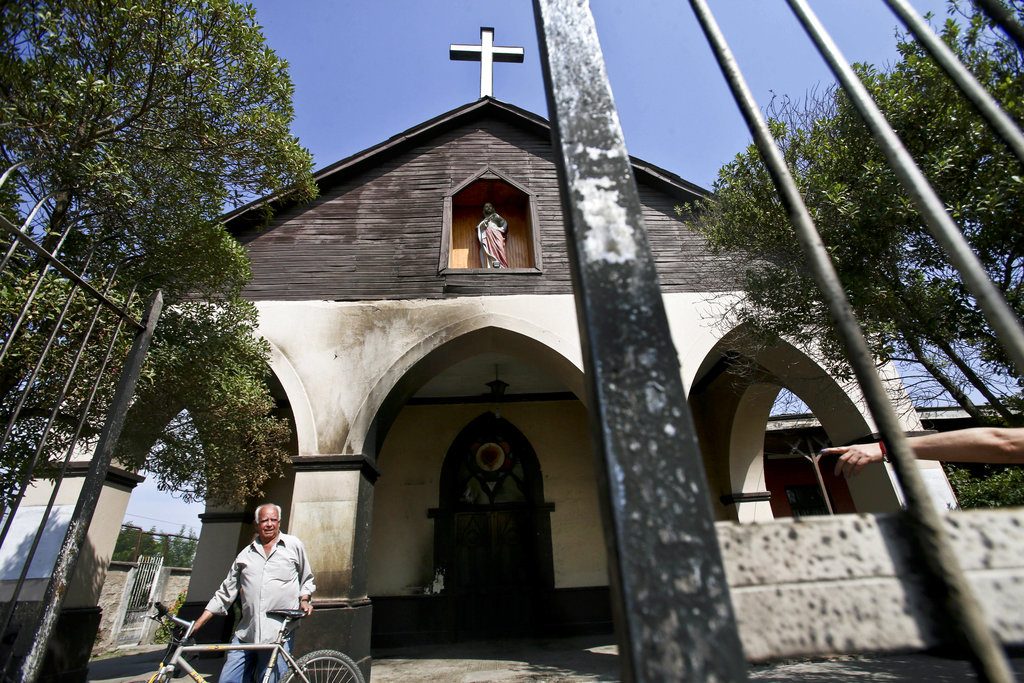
(491, 233)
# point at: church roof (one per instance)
(485, 107)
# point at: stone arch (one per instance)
(742, 386)
(443, 348)
(302, 412)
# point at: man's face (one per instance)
(267, 524)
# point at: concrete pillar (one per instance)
(68, 652)
(223, 532)
(332, 504)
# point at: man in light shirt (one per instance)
(271, 573)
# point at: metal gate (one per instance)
(141, 589)
(67, 370)
(670, 598)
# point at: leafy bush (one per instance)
(987, 486)
(163, 634)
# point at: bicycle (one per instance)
(321, 666)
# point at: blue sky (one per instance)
(364, 71)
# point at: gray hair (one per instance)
(256, 515)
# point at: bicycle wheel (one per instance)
(325, 666)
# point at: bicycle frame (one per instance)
(177, 659)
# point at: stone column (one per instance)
(67, 655)
(222, 535)
(332, 503)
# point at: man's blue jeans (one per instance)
(248, 666)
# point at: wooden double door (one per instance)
(495, 577)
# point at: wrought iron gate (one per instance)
(141, 589)
(670, 599)
(60, 344)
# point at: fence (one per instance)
(64, 359)
(176, 550)
(664, 561)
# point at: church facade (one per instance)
(442, 477)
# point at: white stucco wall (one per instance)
(401, 546)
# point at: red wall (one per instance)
(779, 473)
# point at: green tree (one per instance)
(181, 548)
(147, 119)
(986, 486)
(912, 305)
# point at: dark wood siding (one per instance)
(377, 234)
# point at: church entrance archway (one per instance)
(492, 531)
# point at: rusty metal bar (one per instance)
(41, 446)
(984, 103)
(27, 305)
(8, 613)
(69, 273)
(670, 598)
(944, 577)
(30, 381)
(74, 538)
(24, 227)
(30, 384)
(1000, 316)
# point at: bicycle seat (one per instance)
(287, 613)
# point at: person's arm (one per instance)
(203, 618)
(222, 599)
(998, 445)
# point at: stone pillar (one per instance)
(67, 656)
(222, 535)
(332, 504)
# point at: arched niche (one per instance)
(463, 210)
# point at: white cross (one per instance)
(486, 53)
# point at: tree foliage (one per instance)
(912, 305)
(987, 486)
(141, 121)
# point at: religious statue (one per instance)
(491, 234)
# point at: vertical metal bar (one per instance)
(1004, 18)
(24, 228)
(8, 612)
(1000, 316)
(9, 339)
(29, 475)
(975, 93)
(670, 598)
(945, 580)
(67, 557)
(37, 368)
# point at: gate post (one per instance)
(670, 598)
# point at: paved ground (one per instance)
(571, 660)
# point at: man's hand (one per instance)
(852, 459)
(306, 605)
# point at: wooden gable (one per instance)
(378, 229)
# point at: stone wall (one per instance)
(174, 580)
(852, 583)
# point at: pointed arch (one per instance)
(742, 382)
(305, 425)
(486, 332)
